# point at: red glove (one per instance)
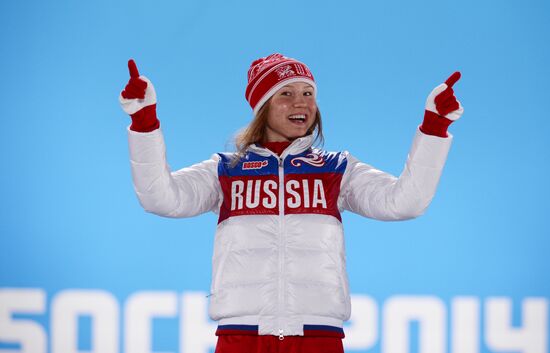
(139, 100)
(442, 108)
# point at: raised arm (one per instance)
(184, 193)
(375, 194)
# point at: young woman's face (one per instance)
(291, 113)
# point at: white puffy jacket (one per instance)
(279, 258)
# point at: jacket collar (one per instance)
(296, 147)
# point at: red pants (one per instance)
(272, 344)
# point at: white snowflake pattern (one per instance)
(285, 71)
(260, 64)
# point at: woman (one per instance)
(279, 280)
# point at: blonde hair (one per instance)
(255, 132)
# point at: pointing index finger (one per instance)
(132, 67)
(453, 78)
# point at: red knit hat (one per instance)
(267, 75)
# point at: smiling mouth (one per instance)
(299, 118)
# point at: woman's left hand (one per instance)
(442, 100)
(442, 108)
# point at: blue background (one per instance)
(69, 216)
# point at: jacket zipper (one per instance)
(281, 243)
(281, 199)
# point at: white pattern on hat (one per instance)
(271, 73)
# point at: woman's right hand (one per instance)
(139, 100)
